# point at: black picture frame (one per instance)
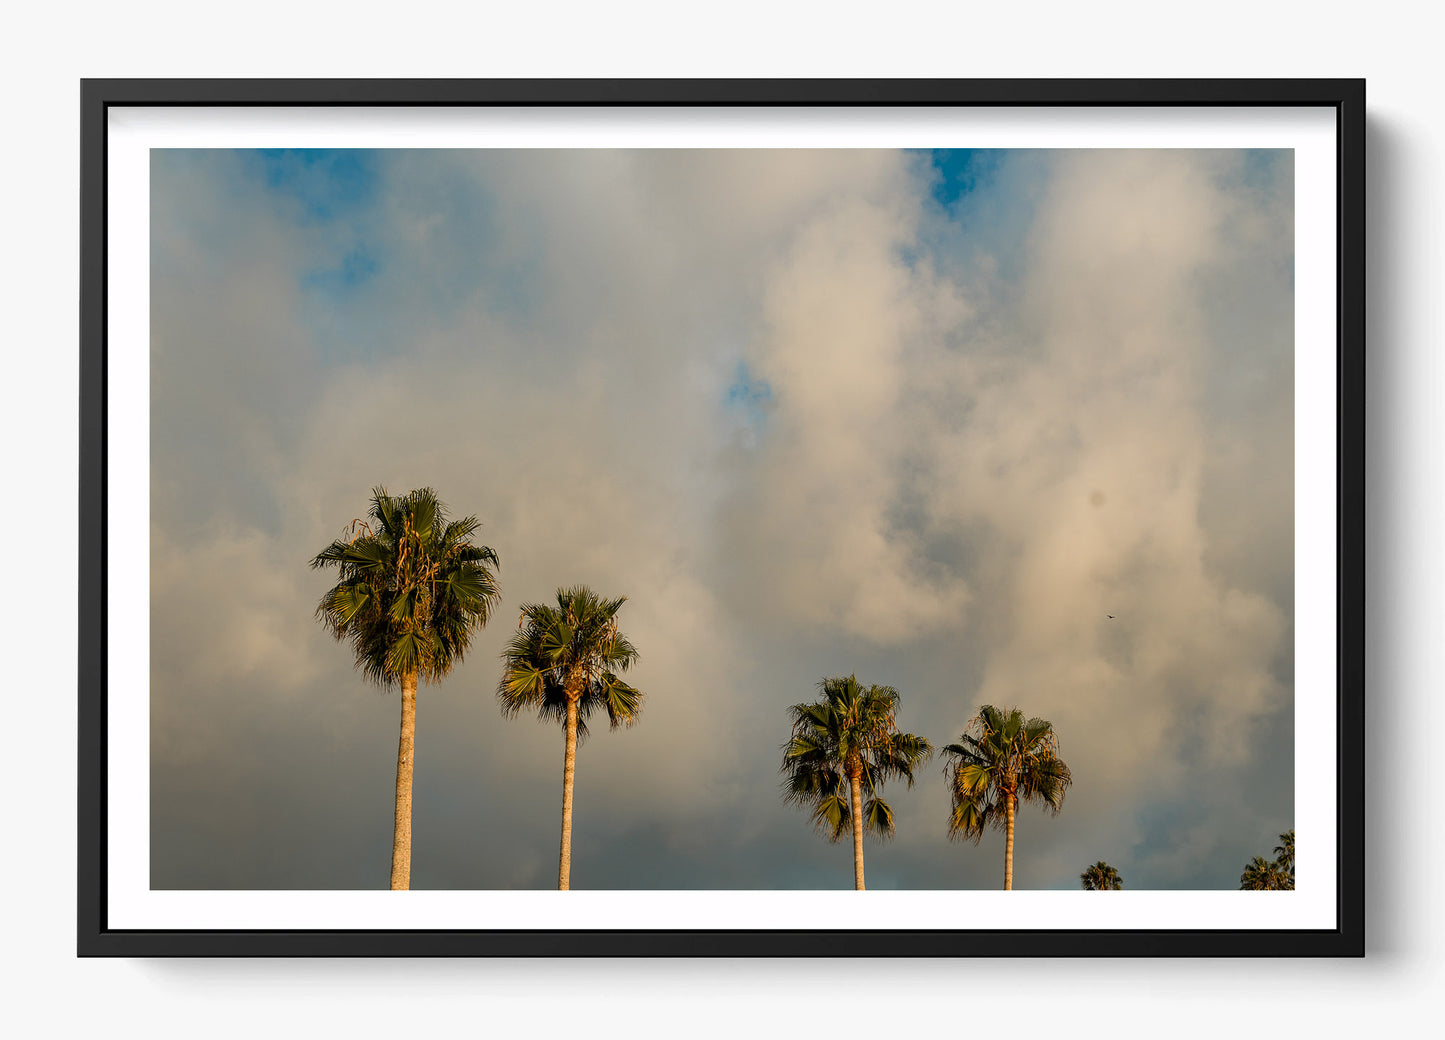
(1345, 96)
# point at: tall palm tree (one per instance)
(1001, 758)
(564, 661)
(842, 744)
(1101, 878)
(411, 591)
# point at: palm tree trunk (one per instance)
(857, 834)
(1008, 849)
(405, 761)
(569, 771)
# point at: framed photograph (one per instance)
(909, 508)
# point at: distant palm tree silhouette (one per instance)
(1101, 878)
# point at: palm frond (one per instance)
(832, 816)
(623, 702)
(969, 818)
(878, 818)
(1284, 852)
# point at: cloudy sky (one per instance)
(923, 417)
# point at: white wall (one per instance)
(49, 49)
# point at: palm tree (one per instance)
(411, 592)
(1101, 878)
(1261, 875)
(564, 661)
(1001, 758)
(1284, 854)
(841, 744)
(1277, 875)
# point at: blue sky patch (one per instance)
(748, 396)
(327, 182)
(961, 171)
(1260, 165)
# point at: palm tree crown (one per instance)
(1262, 875)
(1277, 875)
(412, 587)
(1101, 878)
(1002, 758)
(570, 652)
(843, 744)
